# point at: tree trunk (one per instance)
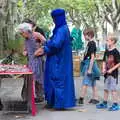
(104, 32)
(115, 27)
(2, 24)
(95, 30)
(8, 18)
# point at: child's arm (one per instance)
(113, 68)
(104, 67)
(91, 63)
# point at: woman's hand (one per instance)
(39, 52)
(25, 53)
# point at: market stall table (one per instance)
(17, 71)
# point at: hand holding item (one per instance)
(104, 71)
(25, 53)
(109, 71)
(39, 52)
(89, 71)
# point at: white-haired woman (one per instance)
(31, 45)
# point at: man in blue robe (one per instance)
(59, 83)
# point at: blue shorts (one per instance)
(88, 81)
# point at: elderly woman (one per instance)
(34, 63)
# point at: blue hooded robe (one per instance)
(59, 83)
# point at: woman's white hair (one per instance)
(24, 27)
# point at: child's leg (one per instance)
(103, 105)
(83, 93)
(107, 88)
(106, 94)
(115, 96)
(85, 83)
(94, 99)
(84, 90)
(113, 88)
(115, 105)
(95, 94)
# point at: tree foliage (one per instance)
(85, 13)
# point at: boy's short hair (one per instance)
(113, 37)
(89, 32)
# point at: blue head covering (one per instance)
(59, 18)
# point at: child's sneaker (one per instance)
(90, 101)
(114, 107)
(94, 101)
(101, 106)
